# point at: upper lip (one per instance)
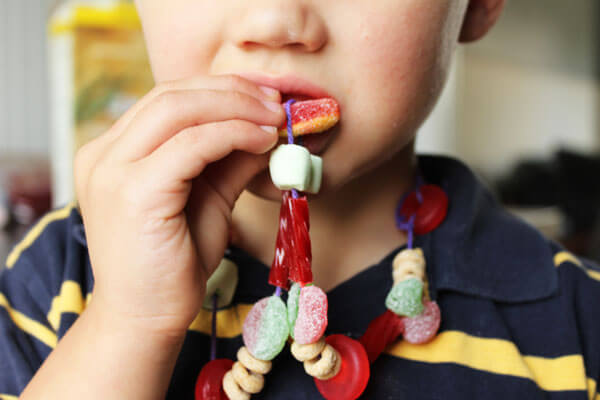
(287, 84)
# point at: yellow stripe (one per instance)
(565, 256)
(591, 387)
(69, 299)
(8, 397)
(28, 325)
(229, 321)
(499, 357)
(36, 231)
(119, 16)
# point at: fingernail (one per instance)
(269, 129)
(270, 92)
(275, 107)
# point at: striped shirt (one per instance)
(520, 317)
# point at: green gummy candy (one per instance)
(273, 331)
(292, 306)
(405, 298)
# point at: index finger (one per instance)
(216, 82)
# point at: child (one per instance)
(157, 194)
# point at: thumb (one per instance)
(231, 176)
(209, 226)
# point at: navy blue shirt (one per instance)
(520, 316)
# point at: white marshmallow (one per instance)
(293, 167)
(316, 174)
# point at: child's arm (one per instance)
(156, 194)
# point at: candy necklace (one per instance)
(339, 364)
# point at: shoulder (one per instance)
(47, 274)
(575, 270)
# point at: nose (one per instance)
(279, 24)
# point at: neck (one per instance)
(351, 229)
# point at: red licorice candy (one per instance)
(300, 250)
(279, 273)
(209, 383)
(382, 331)
(293, 254)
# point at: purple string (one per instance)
(290, 132)
(401, 222)
(288, 112)
(278, 292)
(213, 336)
(418, 185)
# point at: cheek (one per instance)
(174, 48)
(391, 80)
(402, 61)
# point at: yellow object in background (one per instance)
(98, 69)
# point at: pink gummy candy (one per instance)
(312, 315)
(423, 328)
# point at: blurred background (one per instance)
(520, 107)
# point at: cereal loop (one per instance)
(251, 363)
(246, 376)
(249, 381)
(304, 352)
(321, 360)
(232, 389)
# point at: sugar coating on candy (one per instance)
(312, 116)
(423, 328)
(312, 315)
(405, 298)
(292, 306)
(265, 329)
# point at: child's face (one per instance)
(385, 61)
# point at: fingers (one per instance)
(88, 156)
(232, 175)
(221, 82)
(221, 183)
(174, 111)
(185, 155)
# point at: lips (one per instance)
(299, 89)
(290, 86)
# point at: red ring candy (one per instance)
(209, 383)
(430, 213)
(354, 373)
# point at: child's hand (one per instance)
(156, 193)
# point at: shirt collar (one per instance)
(480, 249)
